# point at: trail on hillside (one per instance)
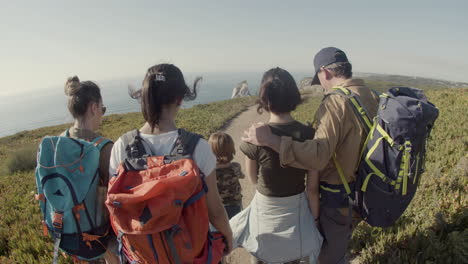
(236, 129)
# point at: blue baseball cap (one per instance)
(327, 56)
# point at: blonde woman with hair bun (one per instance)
(86, 106)
(72, 177)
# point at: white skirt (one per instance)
(277, 229)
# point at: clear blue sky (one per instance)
(43, 42)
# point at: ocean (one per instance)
(48, 107)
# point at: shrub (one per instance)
(23, 159)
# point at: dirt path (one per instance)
(236, 129)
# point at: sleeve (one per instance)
(250, 150)
(309, 132)
(237, 170)
(116, 157)
(204, 157)
(316, 153)
(104, 159)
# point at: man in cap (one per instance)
(339, 136)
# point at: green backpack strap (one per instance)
(358, 107)
(347, 189)
(342, 176)
(361, 112)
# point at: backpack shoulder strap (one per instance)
(129, 136)
(360, 111)
(133, 143)
(376, 94)
(100, 142)
(356, 105)
(185, 143)
(65, 133)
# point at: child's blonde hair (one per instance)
(222, 146)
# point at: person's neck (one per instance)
(84, 124)
(164, 126)
(336, 82)
(280, 118)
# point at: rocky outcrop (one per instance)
(312, 90)
(241, 90)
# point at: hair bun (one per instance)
(72, 86)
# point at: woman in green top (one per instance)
(278, 225)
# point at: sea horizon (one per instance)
(48, 106)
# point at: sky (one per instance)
(44, 42)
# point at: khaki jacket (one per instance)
(338, 130)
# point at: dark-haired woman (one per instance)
(279, 225)
(161, 97)
(86, 106)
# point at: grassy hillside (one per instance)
(21, 239)
(412, 81)
(434, 229)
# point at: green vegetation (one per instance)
(434, 229)
(21, 239)
(419, 82)
(305, 112)
(23, 159)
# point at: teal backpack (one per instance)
(67, 178)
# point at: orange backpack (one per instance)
(158, 205)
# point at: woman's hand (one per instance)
(228, 242)
(216, 211)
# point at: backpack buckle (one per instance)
(39, 197)
(57, 220)
(408, 146)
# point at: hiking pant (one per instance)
(336, 230)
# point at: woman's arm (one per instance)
(216, 212)
(104, 160)
(313, 185)
(251, 169)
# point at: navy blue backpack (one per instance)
(392, 158)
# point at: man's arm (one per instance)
(260, 134)
(312, 154)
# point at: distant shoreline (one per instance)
(106, 117)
